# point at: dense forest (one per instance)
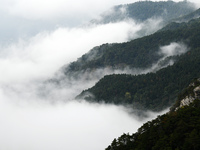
(139, 53)
(143, 10)
(186, 18)
(157, 90)
(178, 129)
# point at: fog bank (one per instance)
(73, 125)
(36, 41)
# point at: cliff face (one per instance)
(186, 101)
(194, 93)
(197, 92)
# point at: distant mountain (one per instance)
(153, 91)
(158, 90)
(186, 18)
(178, 129)
(143, 10)
(140, 53)
(182, 21)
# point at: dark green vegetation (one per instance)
(158, 90)
(183, 21)
(140, 53)
(143, 10)
(176, 130)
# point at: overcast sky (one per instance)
(21, 18)
(58, 9)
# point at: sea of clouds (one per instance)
(37, 39)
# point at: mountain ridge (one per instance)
(177, 129)
(153, 90)
(104, 53)
(143, 10)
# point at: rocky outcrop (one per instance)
(195, 94)
(186, 101)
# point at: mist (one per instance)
(36, 41)
(89, 76)
(73, 125)
(37, 115)
(24, 19)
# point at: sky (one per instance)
(22, 18)
(39, 37)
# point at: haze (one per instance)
(37, 39)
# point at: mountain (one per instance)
(182, 21)
(156, 90)
(143, 10)
(133, 54)
(178, 129)
(186, 18)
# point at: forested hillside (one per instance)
(143, 10)
(186, 18)
(140, 53)
(178, 129)
(158, 90)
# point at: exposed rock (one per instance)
(190, 98)
(197, 92)
(186, 101)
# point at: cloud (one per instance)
(26, 18)
(40, 56)
(43, 54)
(75, 10)
(48, 10)
(38, 115)
(165, 52)
(38, 125)
(173, 49)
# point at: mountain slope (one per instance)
(186, 18)
(158, 90)
(139, 53)
(143, 10)
(134, 54)
(175, 130)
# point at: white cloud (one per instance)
(39, 57)
(28, 118)
(173, 49)
(73, 125)
(33, 114)
(26, 18)
(42, 55)
(51, 9)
